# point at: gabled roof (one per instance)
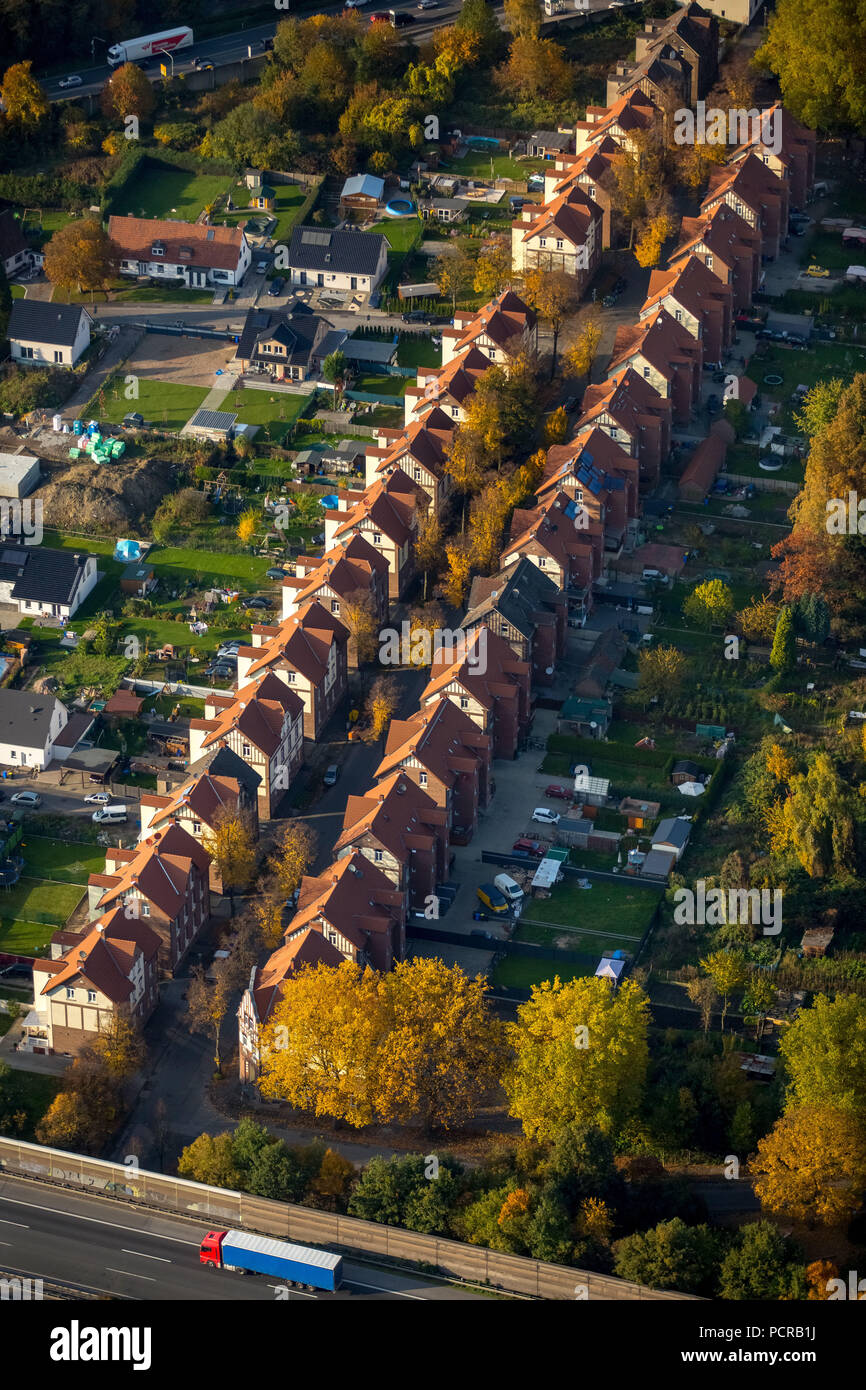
(158, 870)
(367, 184)
(590, 457)
(625, 396)
(103, 957)
(303, 642)
(25, 717)
(39, 574)
(353, 896)
(258, 712)
(570, 214)
(441, 737)
(300, 334)
(38, 321)
(12, 239)
(335, 252)
(488, 671)
(307, 947)
(503, 320)
(389, 505)
(205, 797)
(214, 248)
(692, 285)
(659, 339)
(516, 593)
(395, 813)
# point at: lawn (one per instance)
(213, 567)
(38, 900)
(18, 291)
(381, 385)
(417, 350)
(743, 458)
(162, 403)
(161, 190)
(272, 412)
(148, 294)
(479, 164)
(69, 860)
(522, 972)
(798, 368)
(287, 206)
(826, 249)
(617, 909)
(400, 233)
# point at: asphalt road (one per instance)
(231, 48)
(96, 1245)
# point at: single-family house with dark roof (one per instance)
(285, 345)
(672, 835)
(47, 335)
(337, 259)
(547, 144)
(16, 254)
(39, 581)
(30, 726)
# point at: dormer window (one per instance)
(158, 248)
(185, 253)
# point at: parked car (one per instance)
(563, 793)
(569, 404)
(97, 799)
(751, 322)
(275, 287)
(73, 80)
(331, 775)
(26, 799)
(202, 67)
(712, 366)
(257, 603)
(428, 4)
(400, 18)
(491, 897)
(796, 340)
(275, 573)
(545, 816)
(483, 935)
(816, 272)
(133, 421)
(534, 848)
(229, 649)
(261, 267)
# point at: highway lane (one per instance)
(98, 1245)
(231, 48)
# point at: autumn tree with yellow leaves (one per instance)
(580, 1056)
(247, 526)
(358, 614)
(815, 820)
(294, 854)
(579, 357)
(661, 671)
(812, 1166)
(381, 705)
(455, 585)
(232, 845)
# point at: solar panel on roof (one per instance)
(11, 557)
(314, 238)
(210, 234)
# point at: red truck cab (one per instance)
(211, 1249)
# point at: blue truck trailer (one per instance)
(291, 1264)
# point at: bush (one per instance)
(22, 390)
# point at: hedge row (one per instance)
(589, 748)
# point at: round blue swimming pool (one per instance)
(400, 207)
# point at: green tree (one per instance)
(783, 655)
(478, 18)
(762, 1266)
(277, 1173)
(824, 1052)
(816, 52)
(670, 1256)
(819, 406)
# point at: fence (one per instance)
(216, 1206)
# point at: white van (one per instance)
(110, 815)
(511, 891)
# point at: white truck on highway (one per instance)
(149, 46)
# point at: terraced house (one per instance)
(308, 654)
(264, 725)
(488, 684)
(199, 806)
(399, 828)
(109, 970)
(445, 754)
(162, 882)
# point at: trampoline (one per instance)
(400, 207)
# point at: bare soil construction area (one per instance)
(186, 361)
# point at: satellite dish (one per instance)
(548, 670)
(593, 724)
